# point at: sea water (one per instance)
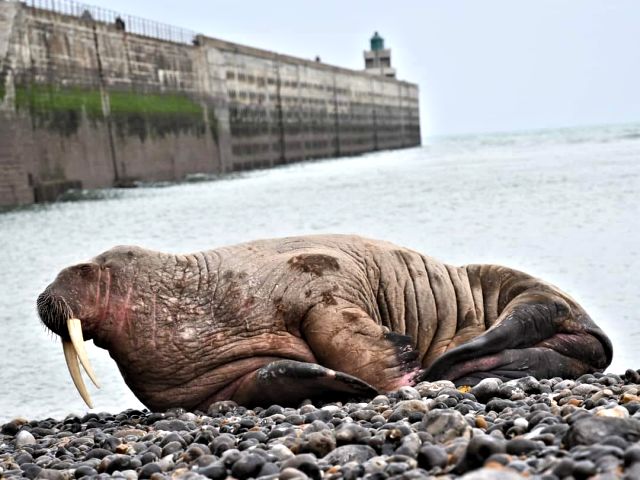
(563, 205)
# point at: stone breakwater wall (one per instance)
(86, 104)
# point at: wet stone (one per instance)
(306, 463)
(632, 455)
(171, 447)
(222, 443)
(523, 446)
(247, 466)
(221, 408)
(292, 474)
(149, 469)
(13, 427)
(498, 405)
(321, 443)
(486, 389)
(24, 438)
(564, 468)
(30, 470)
(409, 446)
(589, 430)
(351, 433)
(23, 457)
(350, 453)
(294, 419)
(364, 415)
(408, 393)
(479, 448)
(407, 407)
(281, 452)
(171, 425)
(216, 470)
(445, 425)
(632, 376)
(432, 456)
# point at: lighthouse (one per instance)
(377, 60)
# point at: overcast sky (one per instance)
(482, 65)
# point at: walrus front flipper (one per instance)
(290, 382)
(346, 338)
(539, 333)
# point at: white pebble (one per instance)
(281, 452)
(408, 393)
(521, 422)
(24, 438)
(617, 411)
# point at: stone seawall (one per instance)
(84, 103)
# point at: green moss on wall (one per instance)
(133, 114)
(154, 104)
(41, 99)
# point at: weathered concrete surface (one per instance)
(87, 103)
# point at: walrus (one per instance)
(327, 316)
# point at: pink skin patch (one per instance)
(406, 380)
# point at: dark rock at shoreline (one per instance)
(553, 428)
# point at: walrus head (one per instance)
(82, 304)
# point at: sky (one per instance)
(481, 65)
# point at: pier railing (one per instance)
(129, 23)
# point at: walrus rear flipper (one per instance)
(290, 382)
(539, 334)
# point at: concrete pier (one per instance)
(88, 102)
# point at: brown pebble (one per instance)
(481, 422)
(616, 412)
(494, 465)
(122, 448)
(576, 402)
(135, 432)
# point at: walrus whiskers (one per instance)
(74, 369)
(75, 332)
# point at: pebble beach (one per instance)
(524, 428)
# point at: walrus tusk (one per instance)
(75, 332)
(74, 369)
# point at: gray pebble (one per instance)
(486, 389)
(281, 452)
(351, 433)
(247, 466)
(446, 425)
(432, 456)
(589, 430)
(216, 471)
(350, 453)
(408, 393)
(292, 474)
(306, 463)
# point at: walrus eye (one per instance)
(73, 351)
(85, 269)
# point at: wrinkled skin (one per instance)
(320, 316)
